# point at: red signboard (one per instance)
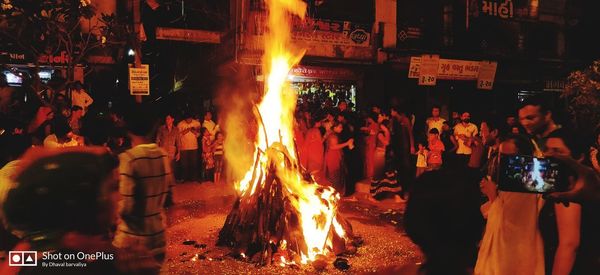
(323, 73)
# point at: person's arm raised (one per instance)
(584, 188)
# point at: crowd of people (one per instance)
(524, 233)
(115, 170)
(106, 176)
(512, 232)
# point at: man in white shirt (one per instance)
(80, 98)
(464, 133)
(189, 130)
(210, 125)
(61, 137)
(435, 121)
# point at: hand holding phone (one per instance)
(584, 187)
(528, 174)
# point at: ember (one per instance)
(282, 215)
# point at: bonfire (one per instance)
(282, 216)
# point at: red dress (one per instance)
(312, 153)
(334, 172)
(370, 146)
(299, 140)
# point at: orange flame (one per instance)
(316, 204)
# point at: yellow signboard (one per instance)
(139, 80)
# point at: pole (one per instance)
(138, 49)
(467, 14)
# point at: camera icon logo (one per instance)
(22, 258)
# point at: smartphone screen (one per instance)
(519, 173)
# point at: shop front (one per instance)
(17, 67)
(325, 86)
(338, 53)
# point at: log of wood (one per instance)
(259, 222)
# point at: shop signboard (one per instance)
(12, 57)
(415, 67)
(58, 59)
(448, 69)
(554, 85)
(188, 35)
(429, 69)
(312, 72)
(407, 33)
(454, 69)
(139, 80)
(332, 32)
(321, 31)
(487, 73)
(323, 73)
(504, 9)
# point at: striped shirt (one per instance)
(218, 149)
(145, 179)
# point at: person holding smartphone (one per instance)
(584, 188)
(547, 136)
(569, 230)
(512, 243)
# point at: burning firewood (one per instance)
(267, 227)
(282, 216)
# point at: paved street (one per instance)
(201, 209)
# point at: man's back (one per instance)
(145, 177)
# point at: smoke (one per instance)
(237, 94)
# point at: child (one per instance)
(218, 155)
(422, 154)
(436, 147)
(145, 181)
(207, 154)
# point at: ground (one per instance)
(200, 211)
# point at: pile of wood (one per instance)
(264, 227)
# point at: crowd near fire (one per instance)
(299, 136)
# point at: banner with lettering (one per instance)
(487, 73)
(429, 69)
(448, 69)
(452, 69)
(332, 32)
(322, 31)
(415, 67)
(504, 9)
(59, 58)
(139, 80)
(323, 73)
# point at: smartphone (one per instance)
(528, 174)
